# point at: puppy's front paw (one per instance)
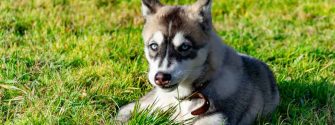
(124, 114)
(123, 117)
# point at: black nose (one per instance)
(162, 79)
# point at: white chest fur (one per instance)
(183, 107)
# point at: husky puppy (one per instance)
(191, 69)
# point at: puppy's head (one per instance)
(176, 42)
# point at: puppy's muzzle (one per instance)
(162, 79)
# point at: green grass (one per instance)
(77, 61)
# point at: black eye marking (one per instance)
(153, 46)
(184, 47)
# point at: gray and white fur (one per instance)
(183, 51)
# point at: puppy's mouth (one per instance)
(169, 87)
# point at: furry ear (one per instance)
(150, 7)
(202, 12)
(202, 8)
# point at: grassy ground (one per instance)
(76, 61)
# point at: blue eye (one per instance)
(184, 47)
(153, 46)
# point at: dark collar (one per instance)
(196, 94)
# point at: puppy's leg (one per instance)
(213, 119)
(125, 111)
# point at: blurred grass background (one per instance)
(77, 61)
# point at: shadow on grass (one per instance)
(305, 103)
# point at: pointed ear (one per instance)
(203, 8)
(201, 11)
(150, 7)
